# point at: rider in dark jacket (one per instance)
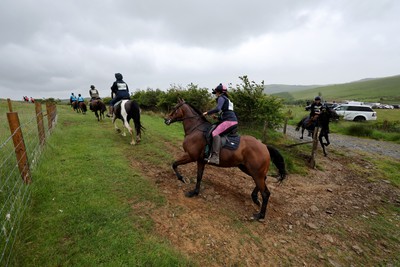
(227, 118)
(315, 107)
(119, 91)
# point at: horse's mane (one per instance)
(197, 111)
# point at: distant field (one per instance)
(383, 90)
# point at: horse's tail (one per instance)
(135, 114)
(278, 161)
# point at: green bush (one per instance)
(254, 107)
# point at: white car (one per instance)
(352, 112)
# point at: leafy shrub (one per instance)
(253, 106)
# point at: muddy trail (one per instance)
(322, 218)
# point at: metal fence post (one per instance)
(19, 145)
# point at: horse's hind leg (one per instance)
(261, 185)
(302, 133)
(254, 194)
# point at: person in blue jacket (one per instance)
(119, 91)
(80, 98)
(227, 120)
(72, 98)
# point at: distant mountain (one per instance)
(279, 88)
(385, 90)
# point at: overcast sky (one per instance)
(51, 48)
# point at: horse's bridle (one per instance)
(169, 121)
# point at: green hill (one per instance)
(384, 90)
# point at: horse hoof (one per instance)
(191, 194)
(258, 217)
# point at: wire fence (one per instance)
(19, 155)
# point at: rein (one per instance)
(189, 117)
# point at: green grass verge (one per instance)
(81, 213)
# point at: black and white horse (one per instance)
(125, 111)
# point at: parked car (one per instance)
(356, 112)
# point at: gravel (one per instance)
(384, 148)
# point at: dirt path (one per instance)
(312, 220)
(344, 141)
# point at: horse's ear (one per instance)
(180, 100)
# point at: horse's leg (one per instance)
(321, 135)
(114, 121)
(302, 133)
(183, 160)
(254, 194)
(97, 115)
(200, 170)
(127, 126)
(262, 186)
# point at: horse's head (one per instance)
(177, 113)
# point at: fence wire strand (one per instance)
(14, 193)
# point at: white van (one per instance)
(353, 112)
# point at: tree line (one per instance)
(251, 104)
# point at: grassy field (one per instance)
(82, 195)
(381, 90)
(385, 90)
(368, 129)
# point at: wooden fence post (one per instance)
(40, 124)
(314, 148)
(19, 145)
(9, 105)
(49, 116)
(285, 126)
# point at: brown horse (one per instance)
(252, 156)
(75, 106)
(82, 107)
(98, 107)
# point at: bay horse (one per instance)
(252, 157)
(322, 120)
(82, 107)
(98, 107)
(75, 106)
(126, 110)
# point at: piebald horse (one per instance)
(125, 111)
(252, 157)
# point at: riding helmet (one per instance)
(317, 98)
(220, 89)
(118, 76)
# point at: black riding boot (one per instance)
(216, 147)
